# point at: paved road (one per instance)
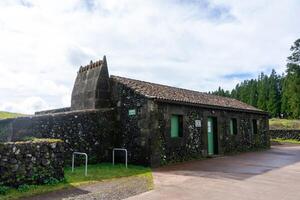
(268, 175)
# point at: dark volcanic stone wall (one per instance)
(89, 131)
(134, 129)
(245, 140)
(31, 162)
(285, 134)
(169, 149)
(59, 110)
(193, 144)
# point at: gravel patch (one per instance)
(116, 189)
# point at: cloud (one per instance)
(27, 105)
(238, 76)
(195, 44)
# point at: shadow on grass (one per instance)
(69, 188)
(69, 191)
(63, 189)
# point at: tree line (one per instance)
(277, 94)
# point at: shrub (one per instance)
(23, 188)
(51, 181)
(3, 190)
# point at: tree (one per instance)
(294, 58)
(262, 89)
(253, 92)
(274, 94)
(291, 85)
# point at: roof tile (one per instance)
(179, 95)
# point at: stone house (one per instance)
(157, 124)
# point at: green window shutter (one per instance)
(174, 126)
(231, 127)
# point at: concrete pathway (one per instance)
(267, 175)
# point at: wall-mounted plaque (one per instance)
(131, 112)
(197, 123)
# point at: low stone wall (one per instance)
(89, 131)
(59, 110)
(285, 134)
(31, 162)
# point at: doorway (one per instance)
(212, 136)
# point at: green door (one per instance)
(210, 136)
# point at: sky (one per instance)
(193, 44)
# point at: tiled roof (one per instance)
(178, 95)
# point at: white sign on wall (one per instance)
(197, 123)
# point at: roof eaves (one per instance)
(211, 106)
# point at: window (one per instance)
(176, 126)
(254, 126)
(233, 126)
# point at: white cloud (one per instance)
(192, 44)
(27, 105)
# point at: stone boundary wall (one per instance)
(285, 134)
(31, 162)
(59, 110)
(89, 131)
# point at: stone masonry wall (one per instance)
(59, 110)
(285, 134)
(31, 162)
(134, 127)
(89, 131)
(193, 143)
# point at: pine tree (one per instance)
(262, 92)
(253, 94)
(285, 107)
(291, 85)
(274, 92)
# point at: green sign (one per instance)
(131, 112)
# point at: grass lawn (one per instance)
(98, 172)
(5, 115)
(276, 123)
(291, 141)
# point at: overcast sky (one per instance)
(194, 44)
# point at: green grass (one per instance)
(96, 173)
(291, 141)
(5, 115)
(276, 123)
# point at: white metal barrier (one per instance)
(86, 160)
(119, 149)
